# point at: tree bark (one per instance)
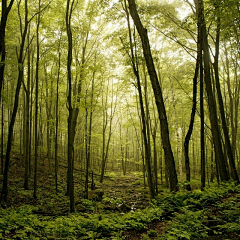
(158, 96)
(219, 156)
(202, 130)
(57, 118)
(4, 16)
(122, 150)
(36, 106)
(144, 118)
(194, 105)
(71, 134)
(221, 106)
(178, 139)
(2, 134)
(4, 193)
(88, 134)
(106, 145)
(233, 100)
(27, 121)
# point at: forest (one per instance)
(119, 119)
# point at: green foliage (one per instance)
(189, 216)
(113, 201)
(189, 222)
(188, 225)
(19, 223)
(89, 204)
(137, 182)
(152, 233)
(112, 175)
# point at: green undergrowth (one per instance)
(215, 211)
(199, 215)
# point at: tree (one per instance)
(144, 118)
(16, 102)
(27, 116)
(107, 120)
(88, 130)
(221, 163)
(177, 133)
(194, 106)
(57, 116)
(36, 106)
(158, 96)
(4, 16)
(220, 100)
(73, 113)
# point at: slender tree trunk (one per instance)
(48, 114)
(122, 150)
(88, 135)
(36, 108)
(4, 16)
(202, 133)
(190, 129)
(194, 106)
(27, 122)
(86, 149)
(104, 126)
(219, 156)
(15, 108)
(73, 108)
(140, 143)
(155, 155)
(2, 135)
(233, 95)
(126, 155)
(158, 96)
(221, 107)
(71, 134)
(178, 139)
(31, 116)
(57, 118)
(144, 120)
(161, 165)
(213, 171)
(105, 149)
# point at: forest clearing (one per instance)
(119, 119)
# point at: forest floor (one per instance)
(124, 211)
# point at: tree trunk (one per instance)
(158, 96)
(88, 134)
(219, 156)
(57, 118)
(190, 129)
(105, 123)
(202, 133)
(86, 148)
(36, 108)
(27, 122)
(232, 95)
(221, 107)
(144, 120)
(194, 105)
(122, 150)
(71, 134)
(2, 134)
(31, 113)
(178, 139)
(4, 16)
(15, 108)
